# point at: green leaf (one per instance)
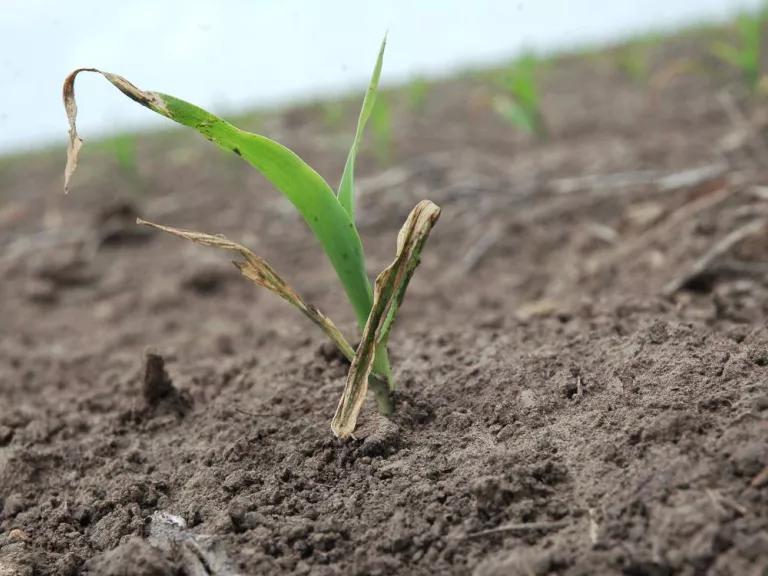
(347, 184)
(516, 114)
(727, 53)
(521, 81)
(746, 54)
(381, 122)
(305, 188)
(417, 90)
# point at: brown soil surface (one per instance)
(575, 396)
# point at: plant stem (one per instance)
(383, 393)
(381, 365)
(381, 382)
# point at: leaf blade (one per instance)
(304, 187)
(346, 192)
(262, 274)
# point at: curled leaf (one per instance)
(151, 100)
(261, 273)
(389, 291)
(304, 187)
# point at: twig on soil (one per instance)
(600, 182)
(722, 502)
(479, 248)
(692, 177)
(603, 232)
(613, 188)
(524, 527)
(744, 128)
(715, 498)
(704, 264)
(594, 528)
(387, 180)
(761, 479)
(256, 414)
(683, 214)
(604, 181)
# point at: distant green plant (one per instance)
(124, 148)
(745, 53)
(381, 123)
(417, 91)
(520, 104)
(333, 113)
(633, 59)
(331, 217)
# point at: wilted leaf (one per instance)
(305, 188)
(261, 273)
(389, 291)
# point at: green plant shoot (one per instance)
(329, 215)
(124, 148)
(745, 54)
(347, 185)
(633, 59)
(521, 105)
(417, 90)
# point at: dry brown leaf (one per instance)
(261, 273)
(148, 99)
(387, 296)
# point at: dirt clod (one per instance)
(157, 383)
(158, 389)
(13, 505)
(133, 557)
(116, 226)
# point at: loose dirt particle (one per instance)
(133, 557)
(17, 535)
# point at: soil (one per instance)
(582, 356)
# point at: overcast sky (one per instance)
(229, 54)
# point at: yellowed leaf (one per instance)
(389, 291)
(261, 273)
(148, 99)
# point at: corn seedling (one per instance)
(417, 91)
(331, 217)
(745, 53)
(520, 104)
(633, 59)
(333, 113)
(124, 148)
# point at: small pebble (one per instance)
(17, 535)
